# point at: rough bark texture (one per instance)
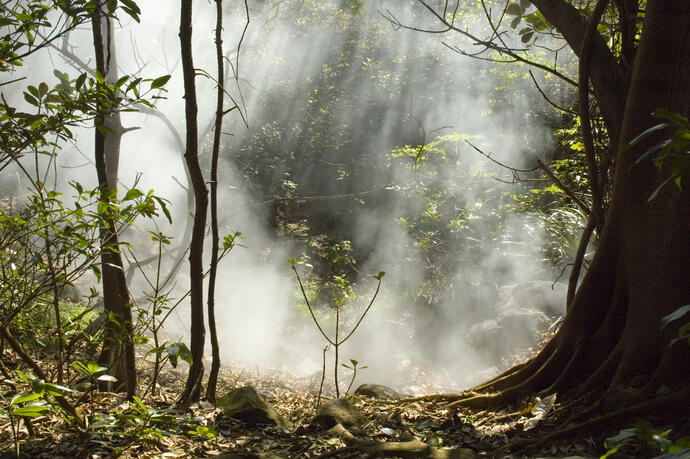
(192, 390)
(118, 353)
(611, 334)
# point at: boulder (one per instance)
(247, 405)
(378, 391)
(522, 328)
(338, 411)
(546, 297)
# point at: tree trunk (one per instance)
(118, 352)
(192, 388)
(215, 350)
(611, 334)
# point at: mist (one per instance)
(324, 108)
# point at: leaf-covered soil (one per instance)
(452, 432)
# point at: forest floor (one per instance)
(424, 426)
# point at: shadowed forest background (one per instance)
(305, 196)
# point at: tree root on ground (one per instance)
(676, 402)
(405, 449)
(402, 449)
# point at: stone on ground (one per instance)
(378, 391)
(339, 411)
(247, 405)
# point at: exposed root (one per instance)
(403, 449)
(676, 402)
(480, 401)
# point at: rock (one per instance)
(522, 328)
(247, 405)
(378, 391)
(338, 411)
(70, 293)
(544, 296)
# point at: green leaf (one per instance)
(526, 37)
(675, 315)
(179, 350)
(380, 275)
(80, 81)
(132, 193)
(652, 152)
(646, 134)
(17, 399)
(31, 411)
(102, 207)
(675, 118)
(81, 368)
(107, 378)
(621, 438)
(42, 89)
(30, 99)
(514, 9)
(159, 82)
(663, 187)
(97, 272)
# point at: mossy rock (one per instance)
(338, 411)
(247, 405)
(378, 391)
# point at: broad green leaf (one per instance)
(30, 99)
(17, 399)
(31, 411)
(675, 118)
(80, 81)
(159, 82)
(675, 315)
(514, 9)
(526, 37)
(132, 193)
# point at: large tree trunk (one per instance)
(192, 390)
(611, 335)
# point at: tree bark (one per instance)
(118, 351)
(215, 350)
(611, 334)
(192, 388)
(609, 79)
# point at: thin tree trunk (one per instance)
(215, 351)
(118, 352)
(192, 388)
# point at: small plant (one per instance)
(33, 404)
(336, 341)
(25, 406)
(643, 436)
(675, 150)
(203, 432)
(354, 373)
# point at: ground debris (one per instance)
(421, 427)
